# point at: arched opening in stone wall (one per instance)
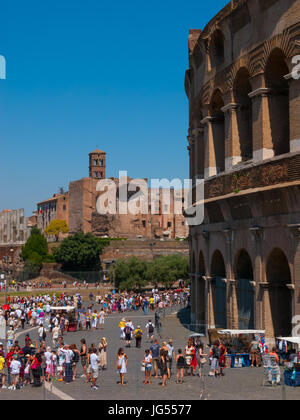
(218, 272)
(245, 291)
(218, 130)
(201, 294)
(278, 101)
(216, 48)
(280, 296)
(242, 88)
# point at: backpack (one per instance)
(75, 358)
(151, 328)
(216, 352)
(127, 330)
(138, 334)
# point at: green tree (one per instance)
(56, 227)
(129, 274)
(168, 269)
(35, 245)
(80, 252)
(34, 253)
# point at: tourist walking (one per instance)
(180, 365)
(122, 361)
(103, 353)
(147, 362)
(138, 334)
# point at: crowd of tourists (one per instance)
(38, 310)
(35, 363)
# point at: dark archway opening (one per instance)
(278, 100)
(245, 291)
(278, 276)
(242, 88)
(218, 272)
(217, 48)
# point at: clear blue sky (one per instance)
(82, 74)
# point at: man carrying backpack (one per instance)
(150, 329)
(138, 334)
(127, 332)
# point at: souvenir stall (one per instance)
(292, 372)
(238, 344)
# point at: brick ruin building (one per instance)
(78, 208)
(244, 140)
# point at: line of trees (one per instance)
(136, 274)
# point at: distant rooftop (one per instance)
(97, 151)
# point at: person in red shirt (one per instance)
(9, 358)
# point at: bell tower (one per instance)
(97, 164)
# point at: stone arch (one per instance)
(216, 48)
(278, 274)
(193, 268)
(245, 290)
(218, 272)
(241, 90)
(278, 100)
(218, 129)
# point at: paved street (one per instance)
(242, 384)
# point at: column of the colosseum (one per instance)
(192, 155)
(210, 163)
(210, 304)
(232, 141)
(198, 135)
(294, 100)
(295, 243)
(257, 236)
(262, 136)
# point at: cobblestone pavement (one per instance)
(238, 384)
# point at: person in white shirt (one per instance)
(171, 355)
(15, 367)
(10, 335)
(42, 333)
(68, 363)
(94, 362)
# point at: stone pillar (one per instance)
(228, 234)
(210, 316)
(294, 100)
(267, 313)
(196, 299)
(257, 236)
(262, 136)
(233, 321)
(193, 298)
(210, 164)
(232, 141)
(295, 287)
(198, 136)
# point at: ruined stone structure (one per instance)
(78, 208)
(55, 208)
(244, 139)
(14, 227)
